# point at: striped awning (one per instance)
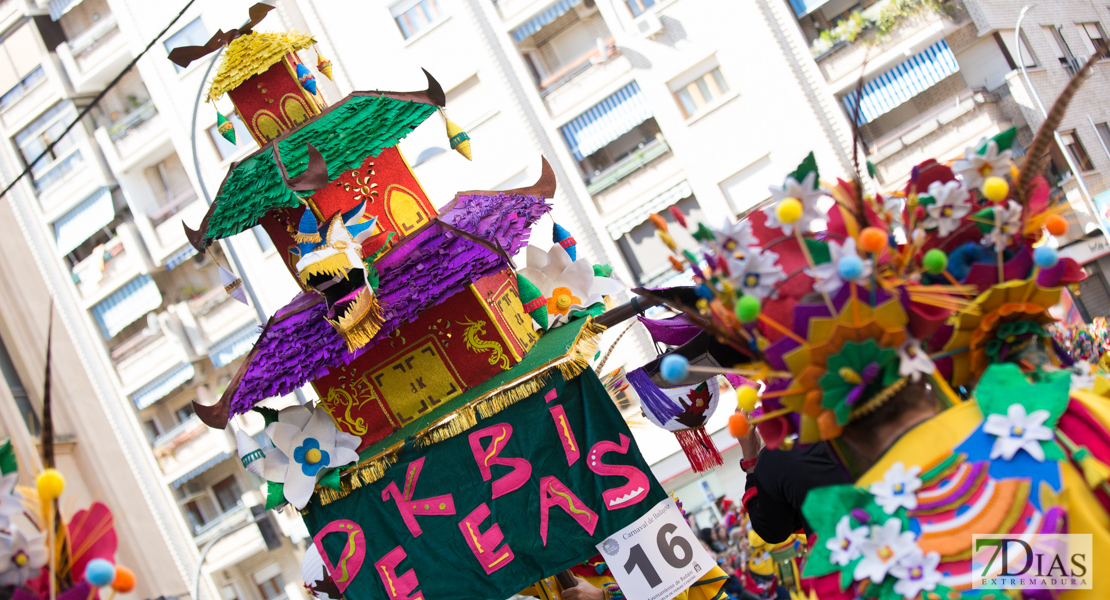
(804, 7)
(88, 217)
(544, 18)
(163, 385)
(608, 120)
(201, 468)
(887, 91)
(182, 255)
(126, 305)
(61, 7)
(638, 215)
(233, 346)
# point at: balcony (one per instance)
(648, 181)
(27, 99)
(218, 317)
(72, 178)
(95, 56)
(136, 139)
(512, 10)
(106, 270)
(569, 90)
(189, 445)
(638, 159)
(10, 11)
(146, 356)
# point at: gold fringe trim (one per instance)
(570, 365)
(335, 265)
(306, 238)
(879, 399)
(250, 55)
(362, 320)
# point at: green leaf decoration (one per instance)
(846, 371)
(269, 415)
(704, 234)
(1005, 140)
(1005, 384)
(984, 219)
(819, 251)
(872, 172)
(8, 461)
(925, 200)
(823, 509)
(594, 310)
(808, 165)
(275, 495)
(331, 480)
(603, 270)
(1009, 333)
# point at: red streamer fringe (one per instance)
(699, 449)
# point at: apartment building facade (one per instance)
(151, 324)
(937, 80)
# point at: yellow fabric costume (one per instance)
(709, 587)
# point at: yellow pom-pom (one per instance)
(746, 397)
(51, 483)
(996, 189)
(789, 210)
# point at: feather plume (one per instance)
(1033, 162)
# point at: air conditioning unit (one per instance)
(648, 25)
(588, 8)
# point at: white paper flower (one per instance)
(1082, 378)
(807, 192)
(950, 205)
(916, 573)
(913, 362)
(883, 548)
(845, 547)
(975, 168)
(315, 574)
(1007, 224)
(898, 489)
(306, 443)
(827, 276)
(734, 236)
(11, 501)
(893, 206)
(758, 274)
(21, 558)
(568, 285)
(1017, 431)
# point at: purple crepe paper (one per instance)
(674, 331)
(504, 219)
(652, 398)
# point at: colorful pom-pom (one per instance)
(1056, 224)
(124, 581)
(677, 214)
(674, 368)
(100, 572)
(935, 261)
(995, 188)
(50, 483)
(849, 267)
(561, 236)
(789, 210)
(1045, 257)
(306, 79)
(746, 397)
(225, 127)
(747, 309)
(738, 425)
(872, 239)
(532, 299)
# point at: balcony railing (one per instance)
(628, 165)
(171, 208)
(87, 41)
(133, 119)
(21, 89)
(569, 71)
(102, 268)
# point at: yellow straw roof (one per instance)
(250, 55)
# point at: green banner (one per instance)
(521, 496)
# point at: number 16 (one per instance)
(638, 558)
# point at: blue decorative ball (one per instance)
(850, 267)
(674, 368)
(100, 572)
(1045, 257)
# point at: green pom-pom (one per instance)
(747, 309)
(532, 299)
(225, 127)
(602, 270)
(935, 261)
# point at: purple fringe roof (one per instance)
(425, 269)
(504, 219)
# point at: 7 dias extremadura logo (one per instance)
(1040, 561)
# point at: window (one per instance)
(36, 138)
(172, 188)
(243, 138)
(271, 585)
(414, 16)
(1093, 36)
(193, 34)
(152, 430)
(184, 413)
(195, 514)
(20, 70)
(1005, 39)
(1103, 131)
(1060, 47)
(638, 7)
(228, 494)
(1078, 152)
(701, 92)
(15, 385)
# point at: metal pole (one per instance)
(204, 552)
(1083, 191)
(261, 314)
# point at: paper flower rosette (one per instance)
(569, 286)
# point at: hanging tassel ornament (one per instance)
(225, 127)
(460, 141)
(699, 449)
(305, 78)
(683, 410)
(233, 285)
(561, 236)
(532, 299)
(323, 65)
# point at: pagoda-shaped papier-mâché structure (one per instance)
(409, 322)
